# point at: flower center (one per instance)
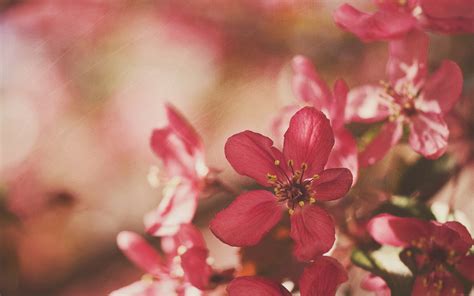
(295, 189)
(401, 98)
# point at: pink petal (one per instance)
(383, 24)
(171, 149)
(183, 129)
(195, 267)
(322, 277)
(308, 85)
(177, 207)
(452, 236)
(144, 288)
(309, 139)
(251, 154)
(428, 134)
(313, 231)
(466, 267)
(396, 4)
(281, 121)
(395, 231)
(443, 89)
(140, 252)
(338, 108)
(447, 8)
(461, 230)
(408, 57)
(247, 219)
(375, 284)
(366, 104)
(257, 286)
(188, 236)
(388, 136)
(332, 184)
(344, 153)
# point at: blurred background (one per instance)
(83, 84)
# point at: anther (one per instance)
(182, 249)
(316, 177)
(312, 200)
(301, 203)
(277, 162)
(291, 211)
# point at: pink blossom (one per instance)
(433, 251)
(410, 97)
(311, 90)
(320, 278)
(375, 284)
(299, 181)
(182, 152)
(183, 268)
(394, 19)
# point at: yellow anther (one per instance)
(316, 177)
(392, 118)
(290, 163)
(304, 166)
(182, 249)
(291, 211)
(277, 162)
(147, 278)
(409, 253)
(301, 203)
(312, 200)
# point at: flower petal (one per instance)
(448, 16)
(177, 207)
(443, 89)
(382, 25)
(195, 267)
(466, 267)
(313, 231)
(396, 231)
(188, 236)
(408, 57)
(183, 129)
(428, 134)
(254, 285)
(281, 121)
(308, 85)
(332, 184)
(338, 107)
(344, 153)
(309, 139)
(322, 277)
(247, 219)
(140, 252)
(251, 154)
(388, 136)
(375, 284)
(366, 104)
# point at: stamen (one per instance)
(301, 203)
(291, 211)
(312, 200)
(277, 162)
(316, 177)
(181, 250)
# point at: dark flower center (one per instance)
(295, 189)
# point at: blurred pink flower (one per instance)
(395, 18)
(375, 284)
(181, 150)
(434, 252)
(184, 268)
(320, 278)
(310, 89)
(307, 145)
(410, 97)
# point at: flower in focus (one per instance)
(436, 253)
(409, 97)
(181, 150)
(321, 278)
(299, 181)
(310, 89)
(395, 18)
(183, 270)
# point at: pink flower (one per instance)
(181, 150)
(410, 97)
(375, 284)
(184, 268)
(434, 252)
(298, 178)
(320, 278)
(310, 89)
(395, 18)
